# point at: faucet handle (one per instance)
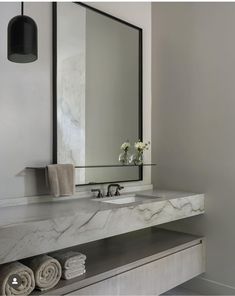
(99, 195)
(117, 193)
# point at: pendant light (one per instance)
(22, 39)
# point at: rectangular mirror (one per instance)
(97, 86)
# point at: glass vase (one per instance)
(137, 158)
(124, 158)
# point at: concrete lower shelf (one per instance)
(155, 259)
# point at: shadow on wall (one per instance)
(34, 182)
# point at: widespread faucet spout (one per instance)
(118, 187)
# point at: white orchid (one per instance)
(126, 146)
(141, 146)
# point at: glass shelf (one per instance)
(101, 166)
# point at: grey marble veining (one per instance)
(39, 228)
(71, 77)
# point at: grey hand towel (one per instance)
(47, 271)
(26, 275)
(61, 179)
(68, 274)
(69, 259)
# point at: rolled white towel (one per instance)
(26, 275)
(47, 271)
(68, 274)
(69, 259)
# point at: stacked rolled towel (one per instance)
(73, 263)
(47, 271)
(26, 275)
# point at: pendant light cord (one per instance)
(22, 8)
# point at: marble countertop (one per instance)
(34, 229)
(67, 208)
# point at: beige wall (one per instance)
(25, 106)
(193, 122)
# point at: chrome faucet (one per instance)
(118, 187)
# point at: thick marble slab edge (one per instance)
(45, 227)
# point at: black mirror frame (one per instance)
(54, 89)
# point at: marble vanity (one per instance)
(29, 230)
(127, 251)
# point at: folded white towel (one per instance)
(26, 275)
(68, 274)
(69, 259)
(47, 271)
(61, 179)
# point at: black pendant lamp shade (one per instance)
(22, 39)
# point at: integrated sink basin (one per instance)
(124, 199)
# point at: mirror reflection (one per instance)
(98, 92)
